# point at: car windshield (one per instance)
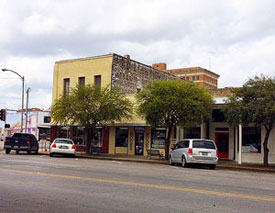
(64, 141)
(203, 144)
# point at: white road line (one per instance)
(44, 163)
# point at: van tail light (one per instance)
(217, 153)
(54, 145)
(73, 146)
(190, 151)
(28, 142)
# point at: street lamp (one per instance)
(22, 78)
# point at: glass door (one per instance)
(139, 144)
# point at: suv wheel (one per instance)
(8, 151)
(17, 152)
(213, 166)
(183, 162)
(36, 151)
(170, 160)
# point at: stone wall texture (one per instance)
(130, 76)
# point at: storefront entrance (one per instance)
(139, 143)
(222, 142)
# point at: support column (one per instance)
(181, 133)
(240, 145)
(203, 131)
(236, 142)
(178, 133)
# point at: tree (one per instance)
(168, 103)
(254, 103)
(91, 106)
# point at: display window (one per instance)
(158, 139)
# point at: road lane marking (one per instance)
(39, 162)
(172, 188)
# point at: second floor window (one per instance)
(81, 81)
(47, 119)
(98, 80)
(66, 86)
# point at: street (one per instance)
(38, 183)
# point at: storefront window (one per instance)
(251, 140)
(121, 137)
(78, 135)
(158, 139)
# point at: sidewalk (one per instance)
(222, 164)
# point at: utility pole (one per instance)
(27, 109)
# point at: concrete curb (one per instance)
(164, 162)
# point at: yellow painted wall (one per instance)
(135, 118)
(86, 67)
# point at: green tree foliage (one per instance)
(91, 106)
(254, 103)
(173, 102)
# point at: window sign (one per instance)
(158, 139)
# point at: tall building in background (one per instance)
(203, 77)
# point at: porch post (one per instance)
(236, 142)
(181, 133)
(178, 133)
(240, 145)
(202, 131)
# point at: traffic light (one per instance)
(3, 115)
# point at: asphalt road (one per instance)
(34, 183)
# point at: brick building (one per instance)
(205, 78)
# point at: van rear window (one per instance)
(203, 144)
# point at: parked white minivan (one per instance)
(199, 151)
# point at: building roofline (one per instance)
(192, 69)
(149, 66)
(85, 58)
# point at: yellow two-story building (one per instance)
(132, 137)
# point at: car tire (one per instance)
(170, 161)
(183, 162)
(51, 154)
(17, 152)
(213, 167)
(36, 152)
(8, 151)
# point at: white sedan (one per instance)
(62, 146)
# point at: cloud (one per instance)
(233, 38)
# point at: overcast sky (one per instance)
(235, 39)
